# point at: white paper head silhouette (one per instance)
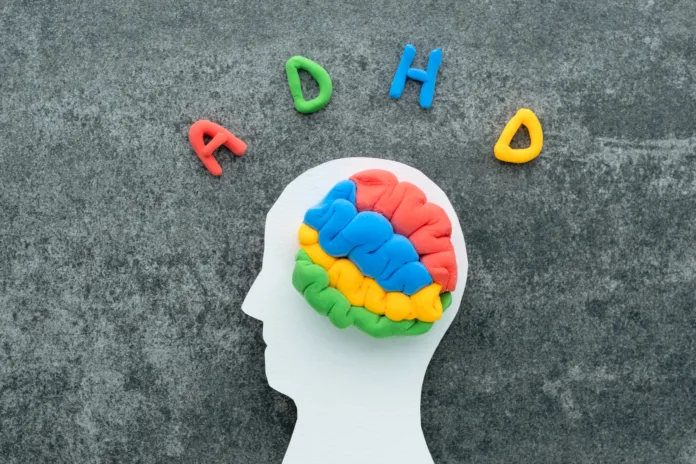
(357, 397)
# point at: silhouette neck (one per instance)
(348, 430)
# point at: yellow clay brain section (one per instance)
(424, 305)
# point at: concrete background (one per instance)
(123, 264)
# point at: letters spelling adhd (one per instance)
(502, 149)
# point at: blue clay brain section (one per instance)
(367, 239)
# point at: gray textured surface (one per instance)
(123, 264)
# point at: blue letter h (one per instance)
(427, 77)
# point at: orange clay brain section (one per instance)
(376, 254)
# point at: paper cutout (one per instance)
(338, 378)
(502, 148)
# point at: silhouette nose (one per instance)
(253, 302)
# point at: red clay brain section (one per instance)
(425, 224)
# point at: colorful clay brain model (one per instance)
(377, 255)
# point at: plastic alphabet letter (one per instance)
(318, 73)
(220, 136)
(502, 149)
(427, 77)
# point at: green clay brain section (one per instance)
(312, 281)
